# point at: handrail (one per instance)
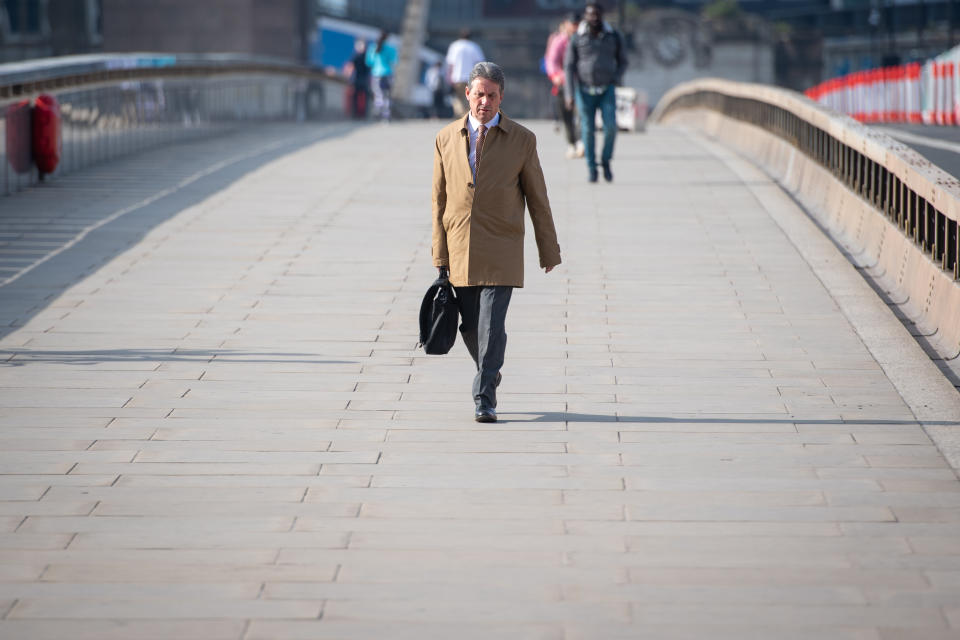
(23, 79)
(917, 196)
(114, 104)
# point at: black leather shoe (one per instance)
(593, 175)
(607, 174)
(485, 414)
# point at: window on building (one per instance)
(95, 21)
(24, 17)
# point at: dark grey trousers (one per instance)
(483, 314)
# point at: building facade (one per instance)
(275, 28)
(42, 28)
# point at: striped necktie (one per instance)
(476, 161)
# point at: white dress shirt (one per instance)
(473, 127)
(461, 58)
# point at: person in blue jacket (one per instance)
(381, 58)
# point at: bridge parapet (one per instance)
(112, 105)
(894, 212)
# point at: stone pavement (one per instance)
(214, 423)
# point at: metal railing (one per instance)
(114, 105)
(907, 198)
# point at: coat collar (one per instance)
(504, 125)
(474, 124)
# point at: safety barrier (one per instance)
(927, 93)
(895, 213)
(112, 105)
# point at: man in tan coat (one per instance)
(485, 171)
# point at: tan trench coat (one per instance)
(478, 230)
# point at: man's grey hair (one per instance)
(488, 71)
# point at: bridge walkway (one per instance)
(214, 423)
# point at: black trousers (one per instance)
(483, 315)
(567, 116)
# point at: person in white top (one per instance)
(462, 55)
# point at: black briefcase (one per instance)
(439, 316)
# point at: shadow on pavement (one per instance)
(35, 290)
(563, 416)
(20, 357)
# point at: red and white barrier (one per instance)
(928, 93)
(913, 87)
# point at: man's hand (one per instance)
(569, 102)
(547, 269)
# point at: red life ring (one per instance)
(46, 133)
(18, 136)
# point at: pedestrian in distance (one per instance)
(436, 83)
(462, 54)
(485, 171)
(553, 63)
(594, 64)
(381, 59)
(359, 81)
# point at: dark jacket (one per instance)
(360, 78)
(594, 61)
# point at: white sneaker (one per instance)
(579, 149)
(572, 152)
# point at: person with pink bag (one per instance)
(553, 62)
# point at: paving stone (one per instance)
(718, 594)
(176, 607)
(709, 529)
(146, 524)
(944, 579)
(195, 468)
(905, 634)
(151, 629)
(504, 611)
(229, 481)
(912, 499)
(687, 631)
(178, 494)
(213, 508)
(791, 616)
(640, 499)
(421, 630)
(206, 540)
(47, 508)
(132, 591)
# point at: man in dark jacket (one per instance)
(594, 66)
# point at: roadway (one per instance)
(214, 422)
(939, 145)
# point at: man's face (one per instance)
(484, 97)
(592, 16)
